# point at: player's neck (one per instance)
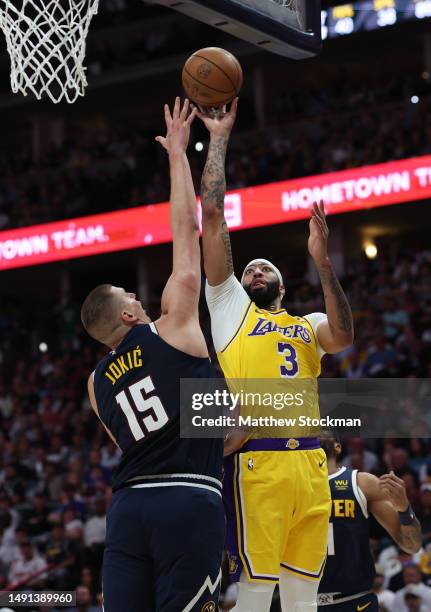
(116, 340)
(332, 466)
(273, 307)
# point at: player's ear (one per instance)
(128, 318)
(282, 291)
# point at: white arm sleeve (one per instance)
(315, 319)
(226, 303)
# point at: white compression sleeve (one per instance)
(298, 594)
(253, 596)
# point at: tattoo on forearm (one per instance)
(412, 535)
(213, 185)
(331, 287)
(227, 246)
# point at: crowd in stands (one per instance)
(56, 461)
(108, 166)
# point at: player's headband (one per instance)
(253, 262)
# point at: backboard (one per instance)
(287, 27)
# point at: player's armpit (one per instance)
(93, 402)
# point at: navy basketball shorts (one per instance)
(163, 550)
(366, 603)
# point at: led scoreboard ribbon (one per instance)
(371, 15)
(396, 182)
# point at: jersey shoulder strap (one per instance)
(345, 482)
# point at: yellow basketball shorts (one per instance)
(278, 505)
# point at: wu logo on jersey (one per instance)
(209, 607)
(341, 485)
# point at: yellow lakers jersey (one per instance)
(273, 359)
(271, 345)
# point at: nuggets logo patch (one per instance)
(292, 443)
(209, 607)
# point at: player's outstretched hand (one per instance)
(319, 232)
(178, 127)
(394, 489)
(220, 123)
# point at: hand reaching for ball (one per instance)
(221, 123)
(178, 127)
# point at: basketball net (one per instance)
(46, 42)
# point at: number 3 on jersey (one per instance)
(290, 369)
(156, 416)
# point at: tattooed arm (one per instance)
(215, 234)
(387, 501)
(336, 333)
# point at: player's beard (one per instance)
(263, 297)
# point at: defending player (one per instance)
(276, 490)
(347, 580)
(165, 526)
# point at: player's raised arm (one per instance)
(181, 294)
(336, 333)
(215, 234)
(388, 503)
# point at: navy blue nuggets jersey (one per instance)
(349, 567)
(137, 389)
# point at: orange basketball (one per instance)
(212, 77)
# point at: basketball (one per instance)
(212, 77)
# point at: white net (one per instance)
(46, 41)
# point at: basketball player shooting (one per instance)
(278, 523)
(165, 525)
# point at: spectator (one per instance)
(35, 521)
(424, 511)
(110, 456)
(384, 596)
(95, 527)
(83, 601)
(412, 577)
(30, 564)
(394, 318)
(360, 457)
(413, 599)
(381, 359)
